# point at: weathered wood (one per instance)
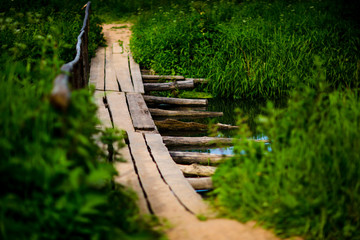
(102, 112)
(198, 170)
(136, 75)
(173, 176)
(193, 114)
(60, 94)
(169, 86)
(97, 69)
(128, 177)
(197, 157)
(119, 110)
(201, 183)
(165, 77)
(140, 114)
(121, 66)
(175, 101)
(111, 83)
(198, 80)
(162, 201)
(117, 49)
(198, 141)
(175, 125)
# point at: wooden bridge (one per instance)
(150, 168)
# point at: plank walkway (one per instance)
(149, 169)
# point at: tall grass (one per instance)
(308, 183)
(250, 49)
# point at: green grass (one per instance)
(308, 184)
(250, 49)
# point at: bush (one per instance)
(249, 49)
(308, 183)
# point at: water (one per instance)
(230, 108)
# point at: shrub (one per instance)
(308, 183)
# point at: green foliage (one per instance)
(251, 49)
(56, 181)
(308, 183)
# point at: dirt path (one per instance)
(183, 224)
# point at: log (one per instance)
(201, 183)
(175, 125)
(192, 114)
(196, 157)
(196, 141)
(198, 170)
(168, 86)
(165, 77)
(175, 101)
(198, 80)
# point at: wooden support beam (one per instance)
(198, 170)
(183, 114)
(196, 141)
(136, 75)
(175, 101)
(196, 157)
(173, 176)
(140, 114)
(165, 77)
(175, 125)
(201, 183)
(169, 86)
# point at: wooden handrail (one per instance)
(76, 72)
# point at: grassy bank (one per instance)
(250, 49)
(308, 183)
(56, 181)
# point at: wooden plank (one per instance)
(162, 201)
(119, 110)
(201, 183)
(102, 112)
(97, 69)
(175, 101)
(136, 75)
(140, 114)
(196, 141)
(111, 83)
(198, 170)
(121, 66)
(175, 125)
(117, 49)
(183, 114)
(197, 157)
(173, 176)
(198, 80)
(169, 86)
(165, 77)
(128, 177)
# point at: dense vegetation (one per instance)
(250, 49)
(56, 183)
(308, 183)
